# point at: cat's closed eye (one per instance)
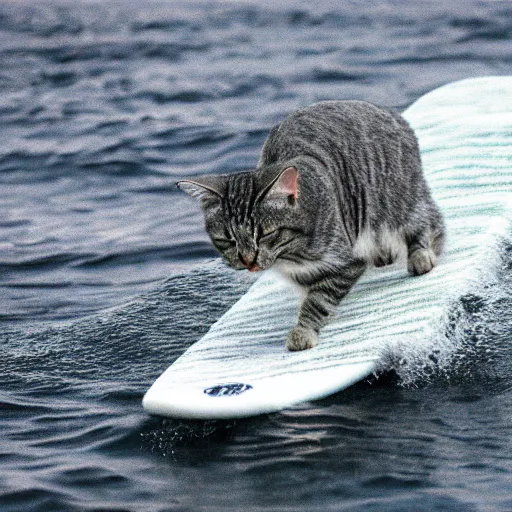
(223, 244)
(270, 235)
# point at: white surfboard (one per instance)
(241, 366)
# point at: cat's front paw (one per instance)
(301, 338)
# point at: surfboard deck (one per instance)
(241, 366)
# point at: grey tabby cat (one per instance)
(338, 187)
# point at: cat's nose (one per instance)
(246, 260)
(250, 263)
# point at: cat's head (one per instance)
(253, 218)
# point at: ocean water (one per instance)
(107, 276)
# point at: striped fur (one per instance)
(361, 199)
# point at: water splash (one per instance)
(471, 342)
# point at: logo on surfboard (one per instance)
(231, 389)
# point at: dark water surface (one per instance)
(106, 275)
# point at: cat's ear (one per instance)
(285, 186)
(205, 188)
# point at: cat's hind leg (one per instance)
(424, 246)
(384, 258)
(389, 246)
